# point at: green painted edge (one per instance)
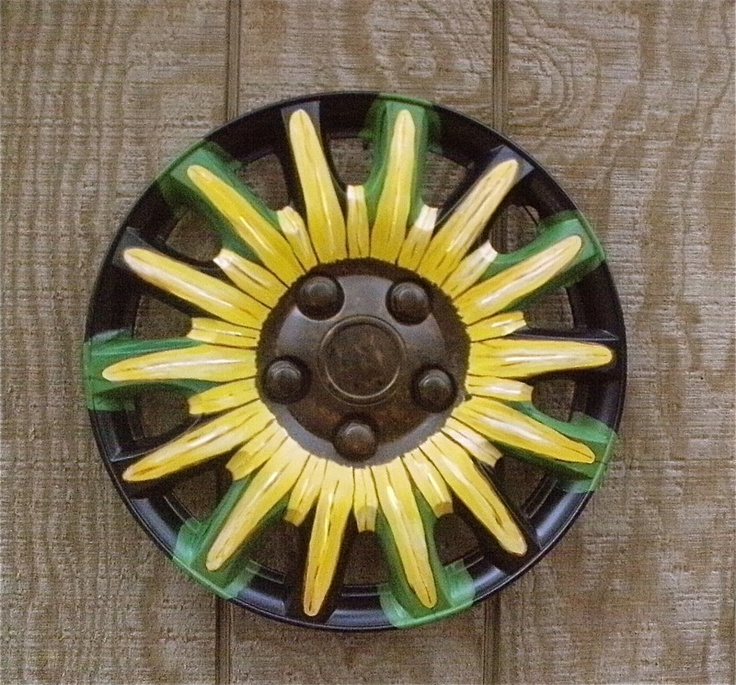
(177, 189)
(582, 428)
(195, 538)
(550, 231)
(455, 587)
(110, 347)
(379, 127)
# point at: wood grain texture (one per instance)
(96, 98)
(631, 106)
(428, 48)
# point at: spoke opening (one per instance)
(352, 159)
(265, 177)
(454, 538)
(193, 237)
(366, 563)
(444, 179)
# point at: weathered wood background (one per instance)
(629, 103)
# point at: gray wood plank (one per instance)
(96, 98)
(631, 106)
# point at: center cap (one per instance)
(361, 359)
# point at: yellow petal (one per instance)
(268, 487)
(251, 278)
(477, 493)
(359, 239)
(202, 363)
(225, 396)
(499, 388)
(496, 326)
(429, 481)
(324, 214)
(503, 424)
(365, 501)
(525, 358)
(210, 440)
(473, 442)
(522, 279)
(333, 509)
(257, 232)
(189, 284)
(296, 233)
(399, 507)
(222, 333)
(394, 204)
(305, 492)
(469, 270)
(258, 450)
(417, 240)
(467, 221)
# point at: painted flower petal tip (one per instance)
(133, 474)
(516, 544)
(213, 563)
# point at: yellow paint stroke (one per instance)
(306, 490)
(399, 507)
(467, 221)
(474, 443)
(417, 239)
(429, 481)
(202, 363)
(210, 440)
(499, 388)
(496, 326)
(502, 290)
(394, 204)
(296, 233)
(271, 248)
(470, 270)
(526, 358)
(324, 214)
(187, 283)
(268, 487)
(222, 397)
(359, 237)
(251, 278)
(508, 426)
(220, 332)
(365, 500)
(476, 492)
(258, 450)
(333, 510)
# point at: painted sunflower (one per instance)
(359, 358)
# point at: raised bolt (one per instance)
(409, 302)
(319, 297)
(355, 440)
(285, 381)
(434, 390)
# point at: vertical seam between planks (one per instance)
(223, 609)
(499, 81)
(232, 70)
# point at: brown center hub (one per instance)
(361, 361)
